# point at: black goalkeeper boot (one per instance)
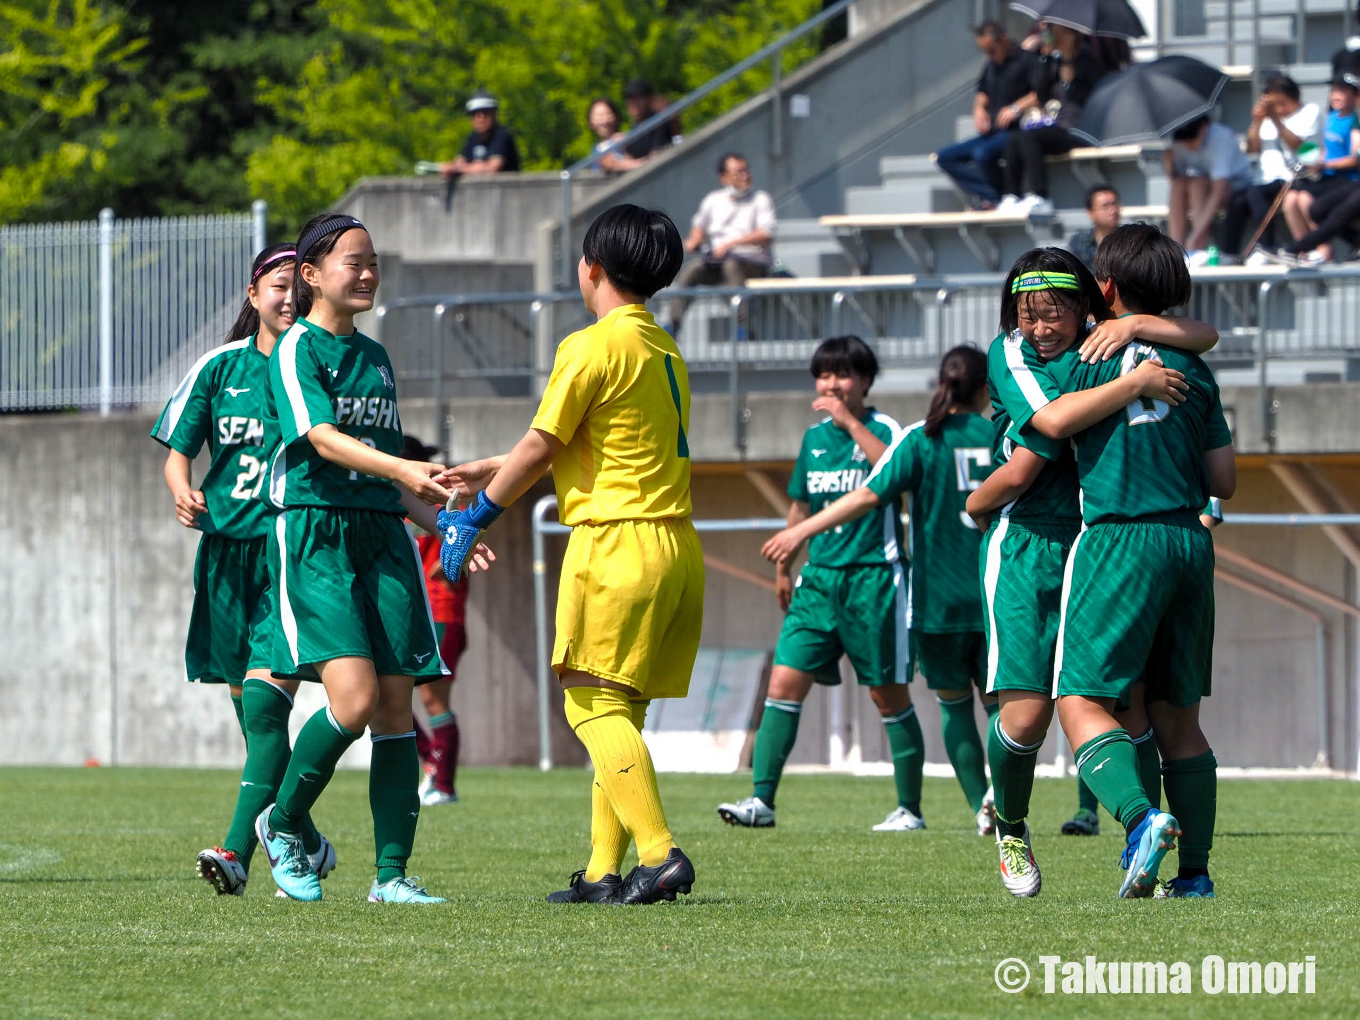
(648, 885)
(581, 891)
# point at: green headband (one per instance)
(1044, 281)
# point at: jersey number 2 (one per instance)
(682, 444)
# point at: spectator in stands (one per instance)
(1102, 205)
(1006, 90)
(1207, 167)
(1071, 71)
(732, 234)
(489, 149)
(604, 119)
(1280, 123)
(643, 102)
(1340, 166)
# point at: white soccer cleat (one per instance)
(986, 819)
(426, 780)
(753, 813)
(434, 798)
(900, 820)
(1019, 872)
(222, 870)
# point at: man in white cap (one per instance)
(489, 149)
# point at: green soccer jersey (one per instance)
(830, 464)
(1146, 460)
(317, 378)
(224, 401)
(1016, 397)
(938, 474)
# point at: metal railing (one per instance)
(503, 344)
(546, 678)
(774, 53)
(106, 313)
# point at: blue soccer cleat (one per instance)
(288, 861)
(401, 890)
(462, 530)
(1154, 837)
(1201, 887)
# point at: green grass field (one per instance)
(101, 915)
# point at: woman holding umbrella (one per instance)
(1074, 73)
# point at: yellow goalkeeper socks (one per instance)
(608, 838)
(603, 720)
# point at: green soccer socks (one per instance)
(774, 740)
(238, 706)
(1192, 796)
(1109, 766)
(393, 779)
(1012, 777)
(1150, 768)
(319, 746)
(908, 757)
(964, 748)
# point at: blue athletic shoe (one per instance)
(292, 870)
(462, 530)
(1201, 887)
(1148, 844)
(401, 890)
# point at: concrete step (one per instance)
(910, 168)
(919, 198)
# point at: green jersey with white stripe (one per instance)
(938, 474)
(317, 378)
(1016, 397)
(830, 464)
(1146, 460)
(223, 401)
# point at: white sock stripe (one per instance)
(1012, 744)
(965, 700)
(792, 707)
(378, 738)
(281, 692)
(330, 718)
(902, 716)
(1143, 738)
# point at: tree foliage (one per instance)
(164, 107)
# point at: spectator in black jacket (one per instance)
(1102, 205)
(489, 149)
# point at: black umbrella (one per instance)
(1114, 19)
(1148, 101)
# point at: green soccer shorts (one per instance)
(231, 627)
(862, 612)
(348, 582)
(951, 662)
(1022, 576)
(1138, 603)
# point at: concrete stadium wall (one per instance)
(95, 591)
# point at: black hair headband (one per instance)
(329, 225)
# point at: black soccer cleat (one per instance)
(648, 885)
(581, 891)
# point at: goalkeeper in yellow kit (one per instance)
(613, 424)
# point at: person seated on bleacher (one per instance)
(1071, 71)
(732, 233)
(1340, 166)
(1102, 205)
(1207, 167)
(1006, 90)
(1280, 123)
(489, 148)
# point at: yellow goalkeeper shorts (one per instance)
(630, 604)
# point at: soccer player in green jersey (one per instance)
(352, 608)
(936, 462)
(850, 599)
(1146, 473)
(1048, 297)
(221, 402)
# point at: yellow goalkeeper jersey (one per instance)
(618, 398)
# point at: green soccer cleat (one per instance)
(288, 862)
(1083, 823)
(401, 890)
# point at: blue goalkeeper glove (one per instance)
(462, 530)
